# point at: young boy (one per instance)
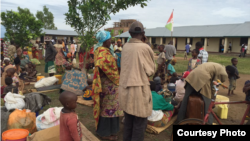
(194, 61)
(9, 87)
(185, 55)
(233, 78)
(170, 69)
(161, 63)
(246, 90)
(70, 129)
(88, 90)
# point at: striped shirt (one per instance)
(203, 55)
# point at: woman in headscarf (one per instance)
(60, 58)
(105, 89)
(11, 52)
(200, 81)
(35, 51)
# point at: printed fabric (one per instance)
(74, 81)
(50, 67)
(105, 62)
(190, 68)
(119, 55)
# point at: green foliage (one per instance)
(88, 16)
(47, 18)
(21, 26)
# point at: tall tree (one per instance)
(88, 16)
(21, 26)
(47, 18)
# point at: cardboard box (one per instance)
(50, 134)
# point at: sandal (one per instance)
(111, 138)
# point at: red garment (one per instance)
(2, 89)
(34, 53)
(70, 129)
(201, 49)
(243, 49)
(92, 51)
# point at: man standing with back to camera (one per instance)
(135, 99)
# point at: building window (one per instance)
(153, 40)
(164, 41)
(243, 41)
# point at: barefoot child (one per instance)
(170, 69)
(161, 64)
(70, 129)
(233, 78)
(88, 90)
(174, 78)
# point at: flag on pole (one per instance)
(170, 22)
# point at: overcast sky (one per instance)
(156, 14)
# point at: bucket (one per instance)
(60, 79)
(15, 135)
(39, 77)
(220, 98)
(171, 87)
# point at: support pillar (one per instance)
(161, 41)
(174, 42)
(123, 41)
(188, 40)
(150, 40)
(248, 46)
(225, 45)
(205, 44)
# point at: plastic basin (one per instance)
(15, 135)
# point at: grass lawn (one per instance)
(243, 63)
(85, 113)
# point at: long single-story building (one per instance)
(58, 34)
(214, 37)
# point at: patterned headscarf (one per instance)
(102, 36)
(66, 64)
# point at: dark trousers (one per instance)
(134, 128)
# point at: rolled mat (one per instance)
(80, 100)
(158, 130)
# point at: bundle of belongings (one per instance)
(162, 111)
(74, 81)
(19, 110)
(49, 118)
(45, 82)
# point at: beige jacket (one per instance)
(137, 64)
(202, 77)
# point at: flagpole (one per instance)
(172, 27)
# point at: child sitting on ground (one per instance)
(11, 73)
(233, 78)
(88, 90)
(70, 129)
(174, 78)
(9, 87)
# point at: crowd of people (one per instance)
(121, 84)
